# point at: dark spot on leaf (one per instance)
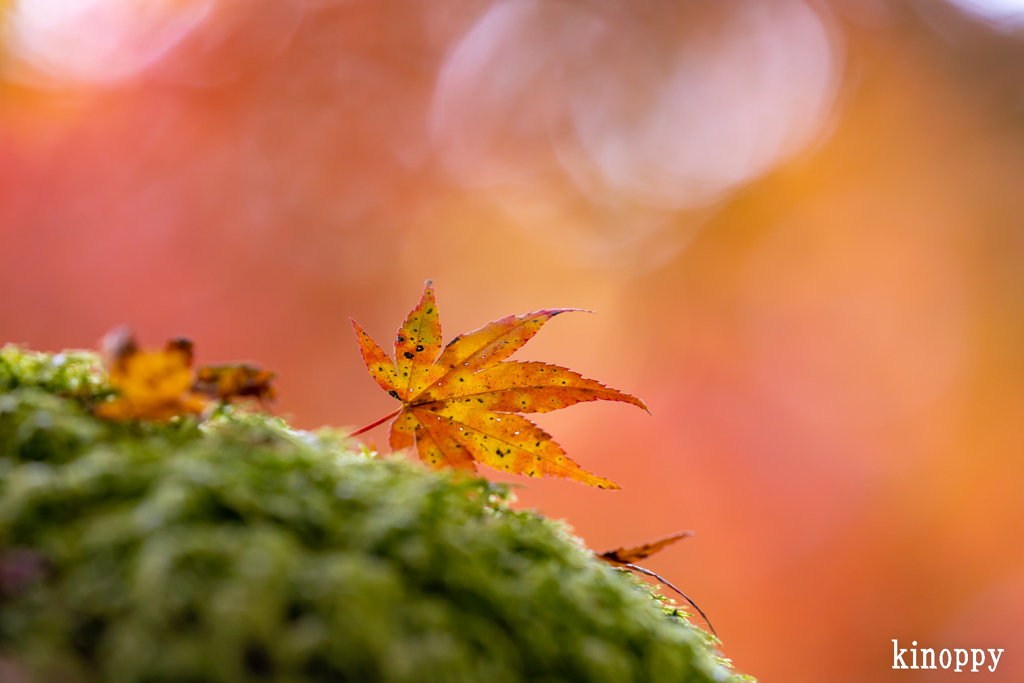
(407, 354)
(419, 347)
(393, 393)
(401, 338)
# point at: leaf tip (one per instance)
(560, 311)
(638, 402)
(358, 330)
(598, 482)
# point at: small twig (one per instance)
(374, 424)
(686, 597)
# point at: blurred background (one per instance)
(801, 225)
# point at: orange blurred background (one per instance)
(800, 224)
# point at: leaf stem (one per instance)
(648, 572)
(374, 424)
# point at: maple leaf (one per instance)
(234, 381)
(160, 385)
(151, 384)
(462, 405)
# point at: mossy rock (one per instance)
(238, 549)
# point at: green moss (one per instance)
(238, 549)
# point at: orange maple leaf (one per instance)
(461, 405)
(235, 381)
(151, 384)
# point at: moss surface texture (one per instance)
(237, 549)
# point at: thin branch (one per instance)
(648, 572)
(374, 424)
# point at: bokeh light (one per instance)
(1006, 13)
(632, 113)
(99, 41)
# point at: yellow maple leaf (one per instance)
(461, 405)
(150, 384)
